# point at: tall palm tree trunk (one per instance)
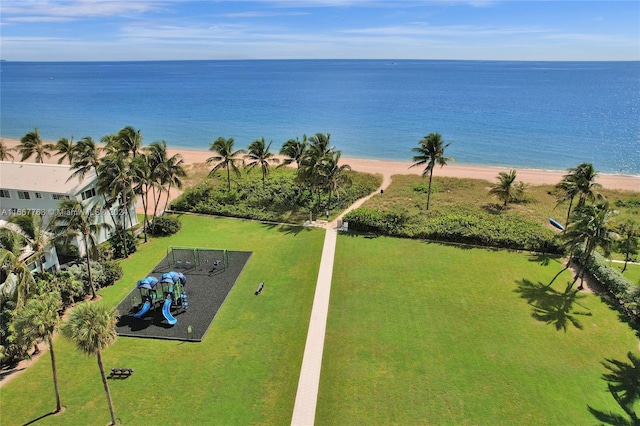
(123, 197)
(54, 369)
(429, 189)
(627, 255)
(106, 387)
(166, 204)
(145, 203)
(126, 206)
(566, 222)
(157, 203)
(228, 177)
(86, 249)
(113, 219)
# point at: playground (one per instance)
(181, 296)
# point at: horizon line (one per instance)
(320, 59)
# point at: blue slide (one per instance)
(166, 311)
(144, 310)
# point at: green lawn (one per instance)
(632, 272)
(417, 334)
(423, 333)
(244, 372)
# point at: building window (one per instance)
(38, 195)
(88, 194)
(4, 193)
(24, 195)
(59, 197)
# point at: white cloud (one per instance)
(67, 10)
(421, 29)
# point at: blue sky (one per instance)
(92, 30)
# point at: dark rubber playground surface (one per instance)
(206, 289)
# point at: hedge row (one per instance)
(459, 226)
(625, 292)
(281, 199)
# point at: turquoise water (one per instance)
(550, 115)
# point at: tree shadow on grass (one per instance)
(286, 229)
(546, 259)
(623, 381)
(37, 419)
(551, 306)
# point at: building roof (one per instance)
(42, 178)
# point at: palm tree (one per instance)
(73, 221)
(320, 144)
(294, 150)
(86, 158)
(31, 228)
(40, 318)
(226, 157)
(11, 241)
(66, 150)
(19, 281)
(334, 175)
(175, 172)
(585, 180)
(312, 163)
(567, 191)
(579, 181)
(91, 326)
(165, 170)
(115, 182)
(429, 153)
(129, 141)
(5, 153)
(157, 159)
(506, 189)
(143, 182)
(259, 155)
(629, 232)
(31, 144)
(588, 229)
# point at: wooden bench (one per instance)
(121, 372)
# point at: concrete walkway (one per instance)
(304, 409)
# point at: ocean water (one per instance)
(550, 115)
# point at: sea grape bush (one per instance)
(460, 226)
(163, 226)
(625, 292)
(103, 273)
(282, 199)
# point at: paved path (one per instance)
(304, 409)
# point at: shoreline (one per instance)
(396, 167)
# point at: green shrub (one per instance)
(624, 291)
(460, 225)
(69, 287)
(103, 273)
(118, 246)
(630, 203)
(66, 252)
(112, 271)
(281, 199)
(163, 226)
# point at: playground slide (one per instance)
(144, 310)
(166, 311)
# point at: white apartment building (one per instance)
(39, 188)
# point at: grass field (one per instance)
(417, 334)
(633, 273)
(430, 334)
(244, 372)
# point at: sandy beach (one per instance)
(390, 168)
